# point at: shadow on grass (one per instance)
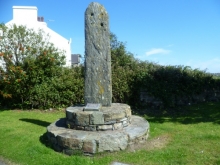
(36, 121)
(204, 112)
(2, 109)
(44, 140)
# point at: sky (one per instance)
(166, 32)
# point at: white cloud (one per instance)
(170, 45)
(212, 65)
(157, 51)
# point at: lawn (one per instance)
(188, 135)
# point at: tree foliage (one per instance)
(31, 69)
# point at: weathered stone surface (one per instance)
(96, 118)
(82, 118)
(128, 112)
(71, 112)
(71, 124)
(57, 148)
(112, 142)
(125, 123)
(137, 129)
(71, 141)
(104, 127)
(124, 119)
(118, 126)
(89, 146)
(116, 112)
(79, 119)
(75, 108)
(114, 116)
(90, 128)
(92, 107)
(80, 127)
(98, 87)
(110, 122)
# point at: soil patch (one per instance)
(155, 143)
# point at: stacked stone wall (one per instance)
(206, 96)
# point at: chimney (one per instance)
(40, 19)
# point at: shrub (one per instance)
(62, 90)
(31, 74)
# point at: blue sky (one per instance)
(167, 32)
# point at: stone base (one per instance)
(115, 117)
(70, 141)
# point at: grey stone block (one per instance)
(139, 127)
(53, 140)
(68, 141)
(57, 147)
(96, 118)
(80, 127)
(104, 127)
(70, 124)
(124, 119)
(71, 112)
(90, 128)
(125, 123)
(82, 118)
(112, 142)
(110, 122)
(118, 126)
(89, 146)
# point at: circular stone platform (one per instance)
(70, 141)
(115, 117)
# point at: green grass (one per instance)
(190, 135)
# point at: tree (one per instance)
(124, 70)
(27, 61)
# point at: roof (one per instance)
(25, 7)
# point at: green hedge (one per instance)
(169, 83)
(62, 90)
(166, 83)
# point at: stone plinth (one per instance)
(72, 141)
(115, 117)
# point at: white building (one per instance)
(27, 15)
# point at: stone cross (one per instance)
(98, 83)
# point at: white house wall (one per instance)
(24, 13)
(27, 16)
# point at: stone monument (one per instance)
(98, 87)
(99, 125)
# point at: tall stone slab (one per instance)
(98, 85)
